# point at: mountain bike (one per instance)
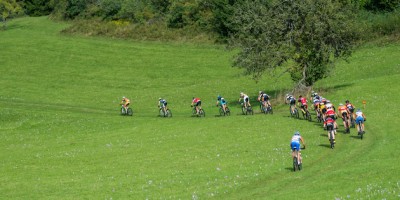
(224, 113)
(126, 111)
(200, 114)
(247, 111)
(361, 130)
(297, 165)
(331, 132)
(352, 121)
(165, 112)
(320, 119)
(295, 112)
(306, 114)
(266, 109)
(347, 127)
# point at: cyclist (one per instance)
(344, 111)
(329, 123)
(246, 100)
(196, 102)
(360, 118)
(331, 113)
(292, 101)
(162, 104)
(125, 102)
(295, 145)
(303, 102)
(221, 101)
(263, 98)
(350, 107)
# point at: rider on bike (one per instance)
(295, 145)
(303, 101)
(221, 101)
(125, 103)
(344, 111)
(196, 102)
(350, 107)
(331, 113)
(329, 123)
(360, 118)
(263, 98)
(162, 104)
(292, 101)
(246, 100)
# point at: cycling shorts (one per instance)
(344, 114)
(304, 107)
(359, 119)
(329, 126)
(295, 146)
(198, 103)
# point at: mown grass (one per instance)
(62, 136)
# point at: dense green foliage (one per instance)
(8, 10)
(63, 138)
(307, 34)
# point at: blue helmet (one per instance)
(219, 97)
(297, 133)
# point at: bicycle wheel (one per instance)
(244, 111)
(202, 113)
(250, 110)
(123, 112)
(169, 113)
(295, 164)
(221, 111)
(296, 112)
(361, 132)
(227, 111)
(308, 115)
(129, 112)
(352, 121)
(331, 138)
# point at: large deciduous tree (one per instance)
(305, 36)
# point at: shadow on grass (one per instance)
(289, 169)
(355, 137)
(325, 145)
(324, 135)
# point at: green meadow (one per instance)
(62, 137)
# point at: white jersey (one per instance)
(296, 138)
(359, 114)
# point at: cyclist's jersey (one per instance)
(265, 97)
(350, 107)
(222, 101)
(316, 101)
(330, 112)
(291, 99)
(359, 114)
(163, 102)
(329, 121)
(125, 101)
(296, 138)
(195, 100)
(245, 98)
(342, 109)
(303, 101)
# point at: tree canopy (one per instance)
(8, 9)
(306, 35)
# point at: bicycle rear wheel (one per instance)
(129, 112)
(331, 138)
(295, 164)
(168, 113)
(227, 111)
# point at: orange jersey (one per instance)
(343, 109)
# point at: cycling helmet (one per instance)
(159, 98)
(123, 97)
(358, 110)
(297, 133)
(340, 104)
(347, 101)
(219, 97)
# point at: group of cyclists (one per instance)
(263, 98)
(324, 110)
(326, 113)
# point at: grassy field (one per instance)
(62, 137)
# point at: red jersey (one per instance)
(329, 121)
(330, 112)
(303, 101)
(195, 100)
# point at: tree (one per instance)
(305, 36)
(8, 9)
